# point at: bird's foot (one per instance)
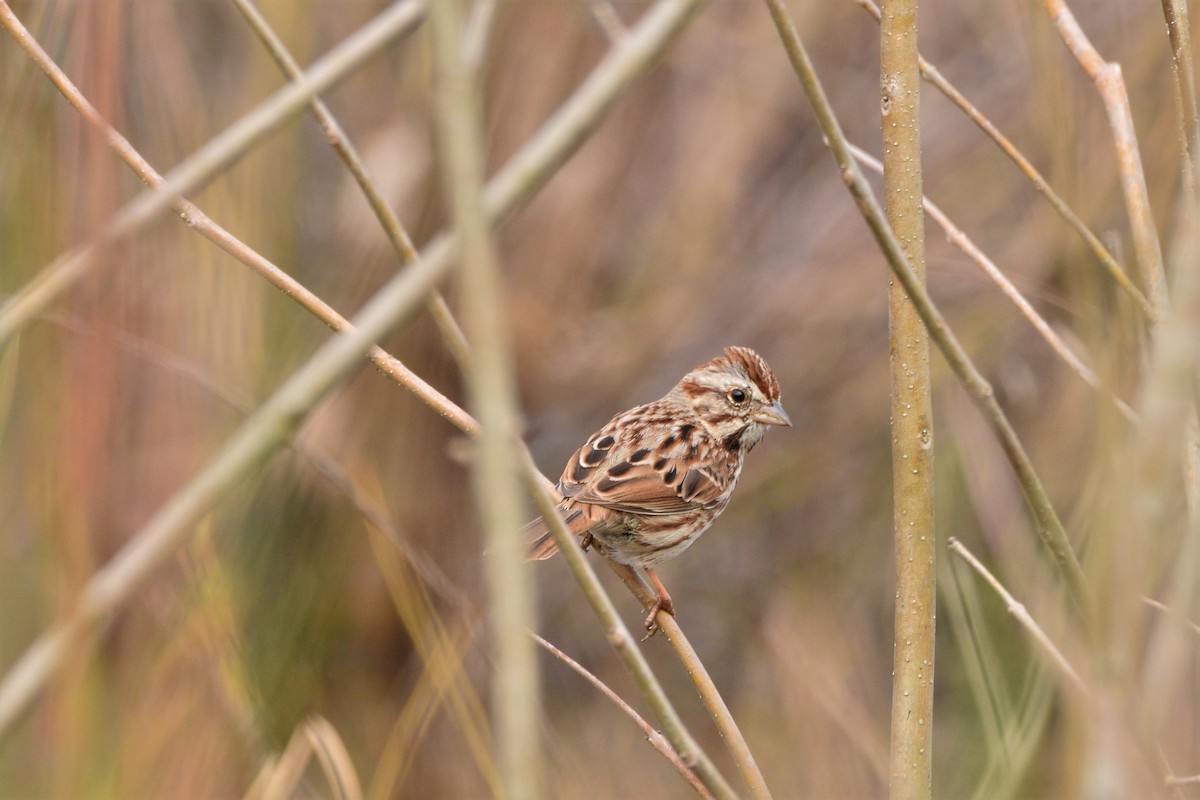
(662, 603)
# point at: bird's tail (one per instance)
(541, 542)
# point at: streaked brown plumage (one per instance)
(647, 484)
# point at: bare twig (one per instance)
(964, 243)
(1048, 525)
(346, 151)
(608, 18)
(1118, 273)
(218, 154)
(1019, 611)
(1111, 86)
(656, 739)
(1155, 604)
(743, 757)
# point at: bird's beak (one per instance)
(772, 415)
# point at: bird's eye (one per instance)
(737, 396)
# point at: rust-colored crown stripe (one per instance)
(752, 364)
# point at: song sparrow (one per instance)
(647, 484)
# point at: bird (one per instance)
(644, 487)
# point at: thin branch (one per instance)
(656, 739)
(964, 243)
(743, 757)
(1048, 525)
(1118, 273)
(1021, 613)
(608, 19)
(345, 149)
(1155, 604)
(218, 154)
(1111, 86)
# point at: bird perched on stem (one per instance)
(644, 487)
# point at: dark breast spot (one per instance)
(685, 430)
(658, 465)
(639, 456)
(604, 443)
(667, 442)
(593, 457)
(669, 475)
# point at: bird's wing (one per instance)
(638, 480)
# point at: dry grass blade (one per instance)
(413, 722)
(1167, 610)
(1022, 615)
(334, 759)
(441, 652)
(964, 243)
(280, 775)
(1186, 781)
(656, 739)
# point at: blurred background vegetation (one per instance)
(704, 212)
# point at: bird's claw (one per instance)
(661, 603)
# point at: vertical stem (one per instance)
(493, 398)
(912, 423)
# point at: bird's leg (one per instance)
(662, 603)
